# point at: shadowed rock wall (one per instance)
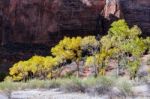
(47, 21)
(137, 12)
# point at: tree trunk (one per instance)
(96, 71)
(118, 66)
(95, 68)
(51, 75)
(78, 69)
(117, 71)
(103, 66)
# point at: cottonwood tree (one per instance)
(124, 42)
(36, 67)
(69, 49)
(91, 46)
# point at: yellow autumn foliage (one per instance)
(68, 48)
(36, 65)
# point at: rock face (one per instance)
(137, 12)
(112, 8)
(4, 21)
(47, 21)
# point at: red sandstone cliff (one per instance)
(47, 21)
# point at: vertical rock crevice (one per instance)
(112, 8)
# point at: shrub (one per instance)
(104, 85)
(95, 86)
(122, 42)
(73, 84)
(125, 87)
(148, 61)
(69, 49)
(106, 81)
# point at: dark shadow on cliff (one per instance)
(106, 23)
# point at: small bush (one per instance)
(94, 86)
(148, 61)
(125, 87)
(106, 81)
(7, 85)
(104, 85)
(73, 85)
(37, 84)
(55, 83)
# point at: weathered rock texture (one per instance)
(137, 12)
(112, 8)
(47, 21)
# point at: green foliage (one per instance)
(133, 67)
(121, 42)
(90, 44)
(106, 81)
(125, 87)
(147, 42)
(148, 61)
(72, 84)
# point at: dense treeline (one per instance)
(122, 43)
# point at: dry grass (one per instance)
(91, 85)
